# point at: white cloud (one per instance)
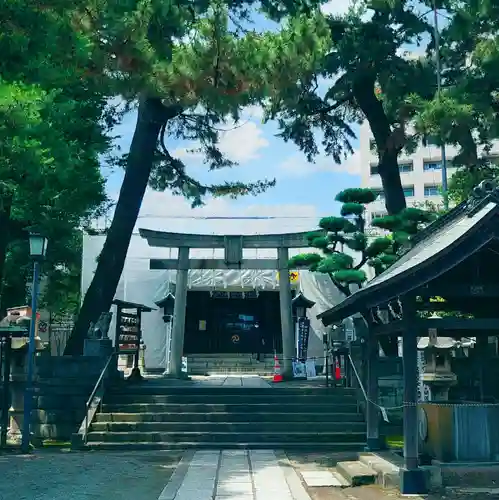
(336, 7)
(241, 142)
(298, 166)
(253, 112)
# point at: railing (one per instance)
(94, 402)
(359, 381)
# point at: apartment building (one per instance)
(421, 173)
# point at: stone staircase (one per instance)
(230, 364)
(153, 417)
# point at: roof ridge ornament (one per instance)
(487, 190)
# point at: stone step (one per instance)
(184, 445)
(234, 355)
(228, 437)
(278, 389)
(220, 398)
(225, 408)
(228, 427)
(231, 417)
(356, 473)
(388, 474)
(230, 362)
(231, 371)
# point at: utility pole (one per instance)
(439, 89)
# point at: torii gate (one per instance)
(233, 259)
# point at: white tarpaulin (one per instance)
(142, 285)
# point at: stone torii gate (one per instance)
(233, 259)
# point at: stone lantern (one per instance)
(167, 304)
(300, 305)
(438, 374)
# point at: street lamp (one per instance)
(37, 250)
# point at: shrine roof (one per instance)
(132, 305)
(437, 249)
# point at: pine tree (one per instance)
(189, 71)
(346, 249)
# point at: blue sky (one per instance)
(303, 193)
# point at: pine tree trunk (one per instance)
(100, 294)
(5, 210)
(388, 169)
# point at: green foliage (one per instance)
(341, 266)
(358, 196)
(377, 246)
(350, 276)
(304, 260)
(336, 262)
(54, 121)
(334, 224)
(352, 209)
(357, 242)
(463, 181)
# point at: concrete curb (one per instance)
(170, 490)
(295, 485)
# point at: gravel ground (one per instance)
(59, 475)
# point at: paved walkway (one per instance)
(234, 475)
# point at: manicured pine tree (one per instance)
(346, 249)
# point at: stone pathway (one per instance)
(234, 475)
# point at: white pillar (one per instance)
(177, 342)
(288, 344)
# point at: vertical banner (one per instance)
(303, 335)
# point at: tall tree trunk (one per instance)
(152, 114)
(5, 211)
(388, 147)
(388, 151)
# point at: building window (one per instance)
(405, 167)
(432, 165)
(379, 193)
(408, 191)
(374, 170)
(372, 144)
(376, 215)
(432, 190)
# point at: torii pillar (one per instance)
(288, 341)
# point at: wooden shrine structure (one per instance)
(455, 259)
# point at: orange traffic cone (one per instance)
(337, 371)
(277, 370)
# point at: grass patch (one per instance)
(396, 442)
(53, 443)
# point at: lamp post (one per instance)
(37, 250)
(439, 89)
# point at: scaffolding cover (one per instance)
(142, 285)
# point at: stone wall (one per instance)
(62, 387)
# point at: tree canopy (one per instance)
(53, 130)
(189, 67)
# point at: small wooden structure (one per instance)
(453, 266)
(129, 332)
